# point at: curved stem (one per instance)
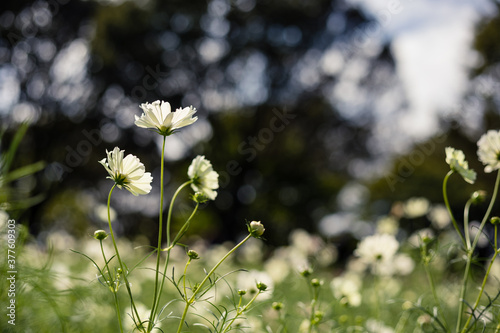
(170, 208)
(160, 232)
(124, 271)
(184, 228)
(447, 204)
(192, 299)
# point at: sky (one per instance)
(431, 42)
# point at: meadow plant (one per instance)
(127, 172)
(441, 276)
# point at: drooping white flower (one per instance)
(158, 116)
(204, 178)
(127, 172)
(489, 150)
(456, 160)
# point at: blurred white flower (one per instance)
(278, 268)
(377, 248)
(159, 117)
(418, 238)
(127, 172)
(252, 252)
(403, 264)
(347, 289)
(439, 216)
(489, 150)
(456, 159)
(474, 230)
(101, 212)
(304, 326)
(144, 312)
(400, 264)
(205, 179)
(375, 326)
(387, 225)
(416, 207)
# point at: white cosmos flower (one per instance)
(205, 179)
(127, 172)
(489, 150)
(456, 159)
(158, 116)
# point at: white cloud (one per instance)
(431, 42)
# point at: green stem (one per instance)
(433, 288)
(169, 246)
(106, 265)
(239, 312)
(184, 228)
(117, 306)
(471, 251)
(170, 208)
(463, 291)
(160, 232)
(483, 285)
(314, 302)
(192, 299)
(488, 211)
(113, 289)
(120, 260)
(184, 278)
(447, 204)
(466, 224)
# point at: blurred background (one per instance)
(317, 114)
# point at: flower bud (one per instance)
(261, 286)
(318, 316)
(316, 283)
(193, 255)
(100, 235)
(277, 306)
(256, 229)
(478, 197)
(306, 272)
(495, 220)
(199, 197)
(242, 292)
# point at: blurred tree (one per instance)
(262, 75)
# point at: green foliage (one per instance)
(14, 197)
